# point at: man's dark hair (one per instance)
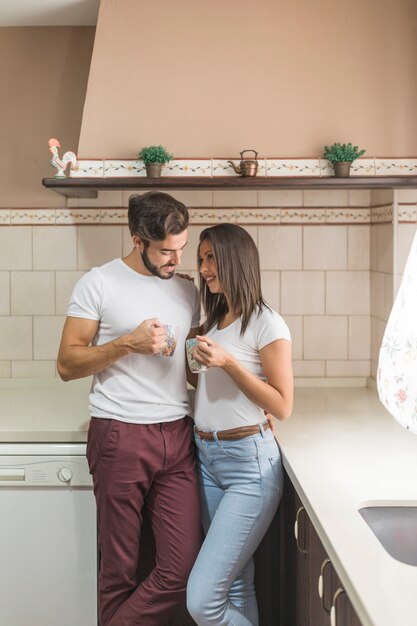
(155, 215)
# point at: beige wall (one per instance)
(43, 81)
(213, 78)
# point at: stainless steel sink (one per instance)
(396, 529)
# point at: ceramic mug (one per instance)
(194, 365)
(172, 337)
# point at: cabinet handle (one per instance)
(325, 563)
(302, 550)
(333, 610)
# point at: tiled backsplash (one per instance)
(326, 262)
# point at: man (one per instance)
(140, 449)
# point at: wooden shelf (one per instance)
(89, 187)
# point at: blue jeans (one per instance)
(241, 485)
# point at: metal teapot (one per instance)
(247, 167)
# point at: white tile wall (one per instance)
(280, 247)
(16, 248)
(32, 293)
(325, 247)
(331, 282)
(54, 248)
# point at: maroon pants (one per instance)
(133, 465)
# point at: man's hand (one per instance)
(148, 338)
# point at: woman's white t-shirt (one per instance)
(219, 403)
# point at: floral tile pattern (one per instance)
(187, 167)
(381, 214)
(396, 167)
(303, 216)
(293, 167)
(113, 216)
(77, 216)
(212, 216)
(4, 216)
(124, 167)
(348, 215)
(32, 216)
(87, 168)
(363, 167)
(207, 215)
(407, 213)
(258, 216)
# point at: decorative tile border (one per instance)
(124, 167)
(32, 216)
(4, 216)
(291, 167)
(381, 214)
(258, 216)
(303, 216)
(395, 167)
(214, 215)
(88, 168)
(350, 215)
(187, 167)
(77, 216)
(113, 216)
(407, 213)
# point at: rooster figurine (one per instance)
(61, 164)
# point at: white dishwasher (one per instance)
(48, 547)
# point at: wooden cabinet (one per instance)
(315, 595)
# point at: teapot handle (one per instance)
(243, 152)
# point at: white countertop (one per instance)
(341, 449)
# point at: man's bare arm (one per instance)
(77, 358)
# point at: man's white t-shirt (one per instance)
(138, 388)
(219, 403)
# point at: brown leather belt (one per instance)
(232, 433)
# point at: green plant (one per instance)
(154, 154)
(342, 152)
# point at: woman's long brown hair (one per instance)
(238, 272)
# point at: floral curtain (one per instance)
(397, 367)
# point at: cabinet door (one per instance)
(303, 606)
(342, 611)
(302, 557)
(321, 581)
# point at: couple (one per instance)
(141, 442)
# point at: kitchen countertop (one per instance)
(340, 448)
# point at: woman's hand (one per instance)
(272, 423)
(210, 353)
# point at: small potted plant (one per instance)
(154, 157)
(341, 156)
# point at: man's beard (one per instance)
(154, 269)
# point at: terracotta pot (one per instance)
(153, 170)
(342, 169)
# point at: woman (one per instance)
(247, 349)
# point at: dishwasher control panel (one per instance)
(45, 471)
